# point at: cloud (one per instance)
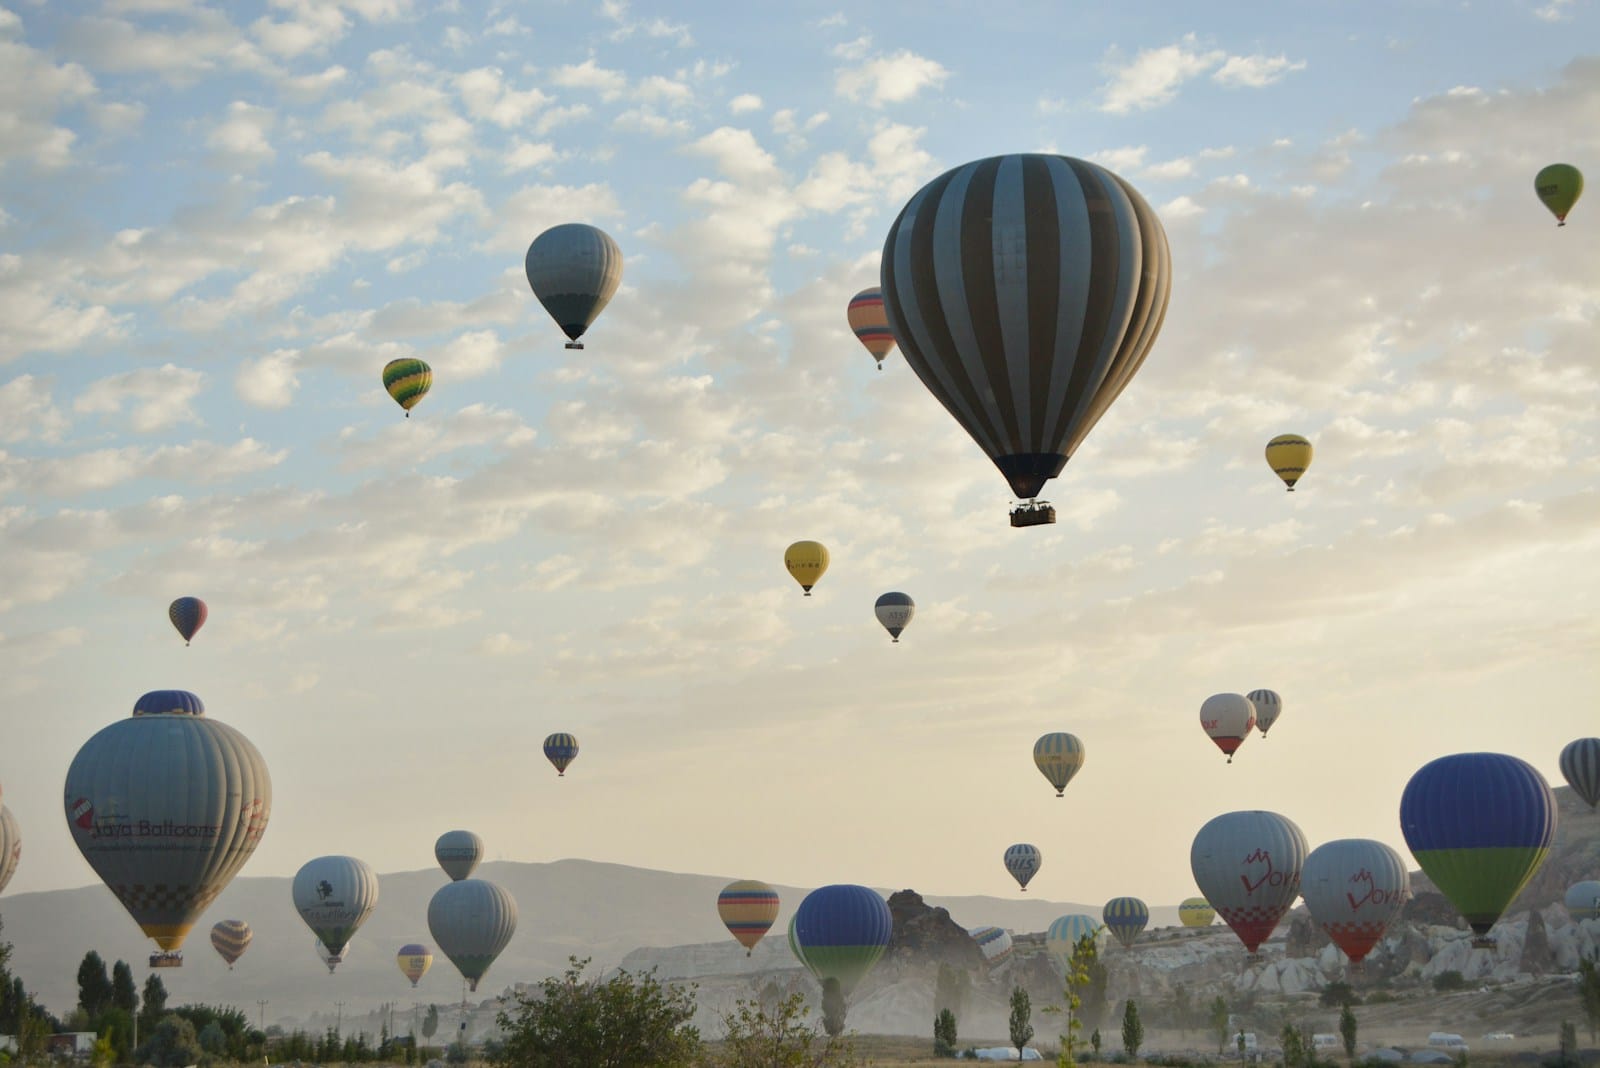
(1255, 72)
(241, 139)
(268, 381)
(488, 97)
(28, 413)
(590, 76)
(1154, 76)
(160, 397)
(199, 462)
(744, 103)
(889, 79)
(35, 91)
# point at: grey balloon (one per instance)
(335, 895)
(472, 921)
(167, 806)
(10, 846)
(894, 610)
(574, 269)
(458, 853)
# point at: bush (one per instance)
(1450, 980)
(625, 1020)
(763, 1034)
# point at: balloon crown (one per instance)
(169, 703)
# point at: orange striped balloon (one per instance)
(871, 324)
(748, 908)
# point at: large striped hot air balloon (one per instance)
(561, 750)
(1125, 917)
(574, 269)
(334, 896)
(839, 932)
(407, 381)
(870, 324)
(1354, 889)
(1247, 864)
(1063, 935)
(1058, 756)
(894, 611)
(188, 615)
(167, 806)
(1268, 706)
(1227, 719)
(748, 908)
(994, 942)
(1025, 291)
(1022, 861)
(1479, 824)
(414, 960)
(1580, 766)
(10, 846)
(1196, 912)
(472, 921)
(230, 939)
(1583, 900)
(807, 562)
(458, 853)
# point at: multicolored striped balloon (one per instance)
(1058, 756)
(561, 750)
(1126, 917)
(230, 939)
(188, 614)
(748, 908)
(407, 381)
(871, 324)
(995, 942)
(839, 932)
(1480, 825)
(414, 960)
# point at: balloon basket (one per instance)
(1033, 514)
(1484, 942)
(574, 345)
(173, 959)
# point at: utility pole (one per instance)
(339, 1028)
(262, 1019)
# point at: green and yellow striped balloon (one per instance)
(407, 381)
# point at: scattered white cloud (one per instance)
(1154, 75)
(240, 140)
(744, 103)
(890, 79)
(268, 381)
(28, 412)
(1255, 72)
(590, 76)
(159, 397)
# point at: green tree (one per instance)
(1094, 1043)
(1569, 1042)
(94, 986)
(776, 1035)
(1182, 1009)
(626, 1021)
(155, 1005)
(1449, 980)
(1338, 993)
(833, 1008)
(116, 1028)
(1132, 1029)
(1347, 1031)
(944, 1034)
(1219, 1023)
(1080, 974)
(1589, 995)
(124, 994)
(172, 1044)
(1295, 1051)
(1021, 1019)
(212, 1040)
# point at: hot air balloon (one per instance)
(331, 957)
(1025, 291)
(1196, 912)
(1479, 824)
(1247, 864)
(1580, 766)
(1058, 756)
(472, 921)
(807, 561)
(1227, 718)
(1125, 917)
(748, 908)
(574, 270)
(1268, 707)
(839, 932)
(870, 323)
(1289, 455)
(1583, 900)
(188, 614)
(561, 750)
(894, 611)
(166, 806)
(994, 942)
(10, 846)
(1559, 186)
(1354, 889)
(1023, 861)
(458, 853)
(1063, 936)
(230, 939)
(414, 960)
(407, 381)
(335, 895)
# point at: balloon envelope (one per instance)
(167, 806)
(472, 921)
(870, 324)
(1023, 861)
(1125, 917)
(1025, 292)
(1289, 455)
(1248, 864)
(574, 269)
(807, 561)
(1196, 912)
(230, 939)
(1063, 936)
(1580, 766)
(747, 908)
(1354, 889)
(188, 615)
(1559, 186)
(994, 942)
(1480, 825)
(839, 932)
(894, 611)
(561, 750)
(1227, 719)
(458, 853)
(1268, 706)
(1058, 756)
(407, 381)
(10, 846)
(1583, 900)
(414, 960)
(334, 896)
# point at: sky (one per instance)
(218, 222)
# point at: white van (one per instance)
(1325, 1041)
(1446, 1040)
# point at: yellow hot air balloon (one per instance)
(807, 561)
(1289, 455)
(1559, 186)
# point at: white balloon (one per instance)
(472, 921)
(1354, 889)
(1269, 706)
(1227, 719)
(1247, 864)
(458, 853)
(335, 895)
